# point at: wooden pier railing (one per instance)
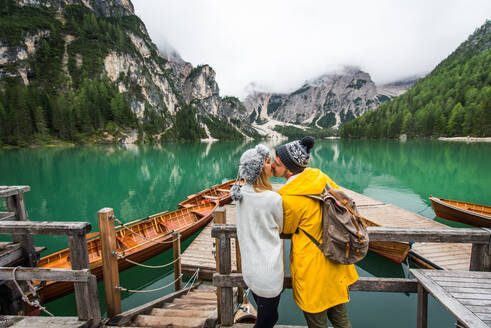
(480, 261)
(85, 282)
(110, 266)
(16, 211)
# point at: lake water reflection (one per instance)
(73, 183)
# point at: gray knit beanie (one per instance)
(296, 154)
(250, 167)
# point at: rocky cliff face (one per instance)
(327, 101)
(151, 81)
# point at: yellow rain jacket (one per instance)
(318, 283)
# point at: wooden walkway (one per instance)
(199, 255)
(190, 307)
(446, 256)
(465, 294)
(11, 321)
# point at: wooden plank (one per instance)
(462, 235)
(126, 317)
(43, 322)
(45, 274)
(181, 313)
(10, 216)
(109, 261)
(484, 316)
(6, 191)
(371, 284)
(153, 321)
(44, 228)
(475, 302)
(462, 314)
(466, 280)
(447, 284)
(479, 309)
(471, 290)
(458, 274)
(11, 254)
(362, 200)
(460, 296)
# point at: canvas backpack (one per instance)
(344, 234)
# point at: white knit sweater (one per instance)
(259, 223)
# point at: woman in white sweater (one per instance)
(259, 223)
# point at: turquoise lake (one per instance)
(73, 183)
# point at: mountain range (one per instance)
(87, 71)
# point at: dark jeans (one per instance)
(338, 315)
(267, 311)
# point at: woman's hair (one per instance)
(262, 183)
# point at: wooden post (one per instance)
(480, 258)
(109, 261)
(176, 244)
(94, 309)
(422, 321)
(16, 204)
(226, 293)
(219, 217)
(238, 261)
(79, 259)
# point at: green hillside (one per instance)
(52, 106)
(54, 82)
(453, 100)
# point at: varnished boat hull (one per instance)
(394, 251)
(218, 191)
(450, 212)
(54, 290)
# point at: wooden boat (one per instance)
(394, 251)
(468, 213)
(218, 193)
(136, 248)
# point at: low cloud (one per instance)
(277, 45)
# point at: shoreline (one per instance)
(466, 139)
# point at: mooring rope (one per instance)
(34, 303)
(193, 278)
(145, 265)
(149, 290)
(143, 237)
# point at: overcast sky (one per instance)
(278, 44)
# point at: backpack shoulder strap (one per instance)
(312, 239)
(320, 196)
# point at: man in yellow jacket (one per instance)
(320, 286)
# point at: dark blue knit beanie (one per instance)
(296, 154)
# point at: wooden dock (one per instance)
(11, 321)
(199, 255)
(465, 294)
(189, 307)
(447, 256)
